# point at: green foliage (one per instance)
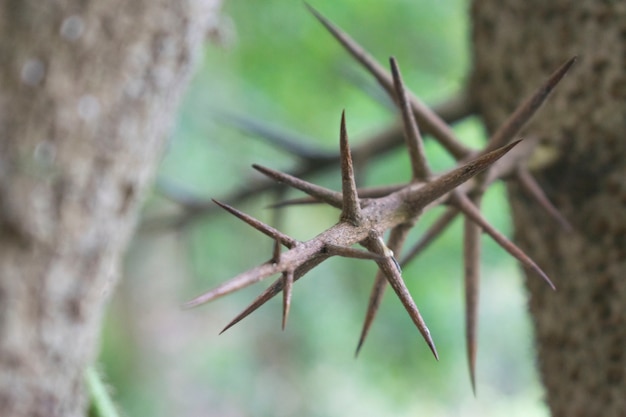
(279, 65)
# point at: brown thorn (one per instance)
(449, 181)
(238, 282)
(468, 208)
(277, 248)
(396, 239)
(331, 197)
(528, 108)
(376, 244)
(287, 285)
(376, 296)
(264, 297)
(412, 135)
(351, 210)
(426, 117)
(471, 258)
(434, 231)
(364, 193)
(270, 292)
(260, 226)
(529, 184)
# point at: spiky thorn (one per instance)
(530, 186)
(351, 209)
(528, 108)
(290, 142)
(471, 211)
(267, 230)
(396, 240)
(388, 139)
(471, 261)
(421, 172)
(471, 208)
(434, 231)
(426, 117)
(364, 193)
(413, 138)
(389, 268)
(382, 214)
(330, 197)
(398, 235)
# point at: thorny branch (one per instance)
(366, 214)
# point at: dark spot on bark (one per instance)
(128, 196)
(74, 309)
(615, 374)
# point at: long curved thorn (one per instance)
(412, 136)
(433, 232)
(396, 239)
(351, 209)
(468, 208)
(326, 195)
(425, 116)
(287, 285)
(431, 191)
(529, 184)
(260, 226)
(528, 108)
(376, 244)
(471, 261)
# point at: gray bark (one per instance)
(88, 91)
(581, 328)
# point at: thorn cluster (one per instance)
(366, 214)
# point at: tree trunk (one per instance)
(581, 328)
(88, 90)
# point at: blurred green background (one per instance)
(273, 62)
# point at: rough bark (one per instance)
(581, 328)
(88, 90)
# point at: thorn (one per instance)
(449, 181)
(331, 197)
(396, 240)
(351, 210)
(529, 184)
(435, 230)
(471, 258)
(468, 208)
(412, 136)
(287, 285)
(425, 116)
(260, 226)
(276, 255)
(264, 297)
(528, 108)
(290, 142)
(394, 278)
(376, 296)
(238, 282)
(276, 287)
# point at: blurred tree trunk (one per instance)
(581, 328)
(88, 90)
